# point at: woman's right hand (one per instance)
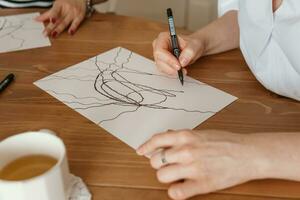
(191, 47)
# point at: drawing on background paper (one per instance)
(124, 93)
(19, 32)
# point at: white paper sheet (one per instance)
(19, 32)
(125, 94)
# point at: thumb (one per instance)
(187, 56)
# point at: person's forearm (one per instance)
(220, 35)
(278, 155)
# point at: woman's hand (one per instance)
(191, 49)
(64, 14)
(200, 162)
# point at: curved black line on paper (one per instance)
(131, 94)
(111, 81)
(9, 29)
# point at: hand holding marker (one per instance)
(174, 41)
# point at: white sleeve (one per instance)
(270, 44)
(227, 5)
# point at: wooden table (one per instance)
(111, 169)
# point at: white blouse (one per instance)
(270, 42)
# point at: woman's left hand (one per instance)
(199, 162)
(64, 14)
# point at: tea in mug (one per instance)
(27, 167)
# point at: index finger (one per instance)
(162, 42)
(162, 51)
(163, 140)
(51, 14)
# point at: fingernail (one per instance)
(53, 20)
(175, 193)
(183, 61)
(72, 32)
(139, 152)
(54, 34)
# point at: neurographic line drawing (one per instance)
(118, 88)
(19, 32)
(112, 85)
(131, 94)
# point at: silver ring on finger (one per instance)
(163, 157)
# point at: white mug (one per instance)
(52, 185)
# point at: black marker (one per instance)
(6, 82)
(174, 41)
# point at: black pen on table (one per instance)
(174, 41)
(6, 81)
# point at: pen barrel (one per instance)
(174, 41)
(6, 82)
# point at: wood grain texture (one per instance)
(108, 193)
(104, 162)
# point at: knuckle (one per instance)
(163, 34)
(185, 136)
(158, 54)
(147, 146)
(155, 53)
(153, 142)
(188, 154)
